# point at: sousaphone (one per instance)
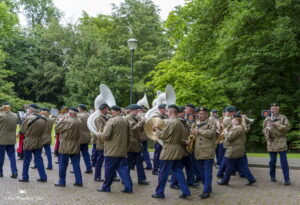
(105, 96)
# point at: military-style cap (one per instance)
(6, 103)
(162, 106)
(239, 112)
(173, 107)
(116, 108)
(73, 109)
(181, 109)
(237, 115)
(133, 107)
(230, 108)
(191, 106)
(203, 109)
(34, 106)
(82, 106)
(45, 109)
(214, 111)
(103, 106)
(274, 105)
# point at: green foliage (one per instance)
(250, 49)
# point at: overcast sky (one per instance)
(73, 8)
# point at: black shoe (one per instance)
(286, 183)
(183, 196)
(127, 192)
(174, 187)
(233, 174)
(198, 180)
(22, 180)
(1, 175)
(194, 185)
(157, 196)
(147, 168)
(41, 180)
(49, 168)
(220, 176)
(75, 184)
(222, 183)
(89, 172)
(101, 190)
(56, 162)
(33, 167)
(72, 172)
(14, 176)
(98, 180)
(155, 172)
(116, 179)
(132, 168)
(251, 182)
(204, 195)
(242, 176)
(144, 182)
(273, 179)
(60, 185)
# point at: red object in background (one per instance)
(56, 146)
(21, 141)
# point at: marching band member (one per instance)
(156, 163)
(235, 140)
(134, 150)
(33, 129)
(116, 142)
(8, 126)
(100, 122)
(275, 128)
(70, 133)
(171, 154)
(204, 149)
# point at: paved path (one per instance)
(263, 193)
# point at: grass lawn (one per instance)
(289, 155)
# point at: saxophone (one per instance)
(191, 140)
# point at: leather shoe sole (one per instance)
(157, 196)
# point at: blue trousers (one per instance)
(146, 155)
(283, 162)
(197, 169)
(99, 163)
(113, 164)
(188, 164)
(63, 165)
(206, 167)
(48, 154)
(94, 157)
(222, 167)
(156, 161)
(39, 163)
(220, 152)
(136, 158)
(241, 166)
(84, 148)
(165, 168)
(10, 150)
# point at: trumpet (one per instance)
(191, 140)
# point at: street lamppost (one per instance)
(132, 44)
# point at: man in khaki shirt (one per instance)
(116, 142)
(204, 148)
(275, 128)
(171, 154)
(85, 138)
(100, 123)
(8, 125)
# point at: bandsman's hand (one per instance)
(194, 131)
(154, 128)
(187, 142)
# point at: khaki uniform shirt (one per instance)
(8, 126)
